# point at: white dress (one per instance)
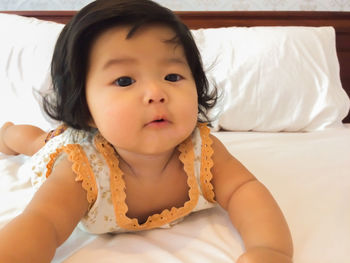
(96, 165)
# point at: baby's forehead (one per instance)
(121, 35)
(162, 32)
(119, 41)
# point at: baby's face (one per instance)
(140, 91)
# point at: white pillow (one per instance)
(271, 78)
(274, 78)
(26, 49)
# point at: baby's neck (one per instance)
(146, 167)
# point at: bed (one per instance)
(284, 80)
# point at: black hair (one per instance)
(69, 63)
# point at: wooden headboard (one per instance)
(339, 20)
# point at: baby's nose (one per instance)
(155, 94)
(161, 100)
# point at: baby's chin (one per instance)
(150, 141)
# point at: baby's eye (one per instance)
(173, 77)
(124, 81)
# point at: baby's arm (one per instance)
(21, 139)
(252, 210)
(47, 221)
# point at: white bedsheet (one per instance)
(308, 174)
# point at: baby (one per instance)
(134, 151)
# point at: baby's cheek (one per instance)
(191, 111)
(114, 113)
(118, 119)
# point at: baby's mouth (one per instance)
(158, 121)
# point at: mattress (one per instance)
(307, 173)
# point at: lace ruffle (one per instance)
(206, 163)
(117, 185)
(53, 133)
(80, 167)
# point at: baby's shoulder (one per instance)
(224, 161)
(52, 150)
(220, 152)
(61, 137)
(228, 172)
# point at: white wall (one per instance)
(192, 5)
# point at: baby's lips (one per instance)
(159, 119)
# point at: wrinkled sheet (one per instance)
(307, 173)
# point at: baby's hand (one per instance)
(264, 255)
(3, 148)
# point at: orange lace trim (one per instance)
(117, 184)
(80, 167)
(206, 163)
(53, 133)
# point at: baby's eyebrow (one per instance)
(175, 60)
(127, 60)
(117, 61)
